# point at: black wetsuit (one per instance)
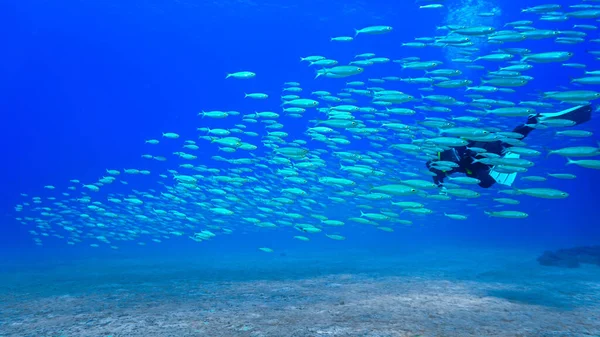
(465, 157)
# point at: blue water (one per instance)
(84, 83)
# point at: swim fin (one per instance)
(506, 179)
(579, 114)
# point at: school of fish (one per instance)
(268, 180)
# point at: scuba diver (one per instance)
(466, 162)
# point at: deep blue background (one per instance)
(84, 83)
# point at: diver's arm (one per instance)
(454, 155)
(438, 179)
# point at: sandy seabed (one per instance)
(427, 294)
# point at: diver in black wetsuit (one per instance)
(465, 158)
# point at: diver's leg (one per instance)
(525, 129)
(578, 114)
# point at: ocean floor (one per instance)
(472, 292)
